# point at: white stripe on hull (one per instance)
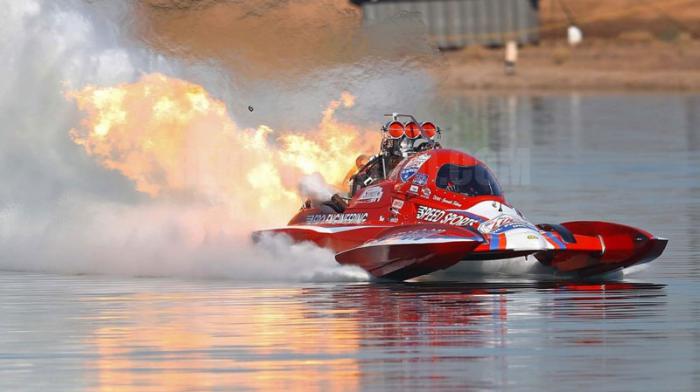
(322, 229)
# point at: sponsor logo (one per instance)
(513, 226)
(413, 189)
(371, 195)
(429, 214)
(420, 179)
(504, 223)
(441, 216)
(337, 219)
(425, 192)
(397, 204)
(413, 166)
(411, 235)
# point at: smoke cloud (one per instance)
(62, 211)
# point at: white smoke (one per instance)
(61, 212)
(315, 188)
(154, 241)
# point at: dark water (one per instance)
(630, 159)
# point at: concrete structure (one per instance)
(458, 23)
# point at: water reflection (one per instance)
(692, 126)
(340, 337)
(692, 108)
(247, 339)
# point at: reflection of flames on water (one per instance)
(261, 350)
(169, 136)
(319, 338)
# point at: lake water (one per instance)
(632, 159)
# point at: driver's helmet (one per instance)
(361, 160)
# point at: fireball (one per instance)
(171, 138)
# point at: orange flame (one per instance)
(169, 136)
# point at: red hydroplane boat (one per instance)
(416, 208)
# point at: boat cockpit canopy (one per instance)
(475, 180)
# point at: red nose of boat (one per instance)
(620, 247)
